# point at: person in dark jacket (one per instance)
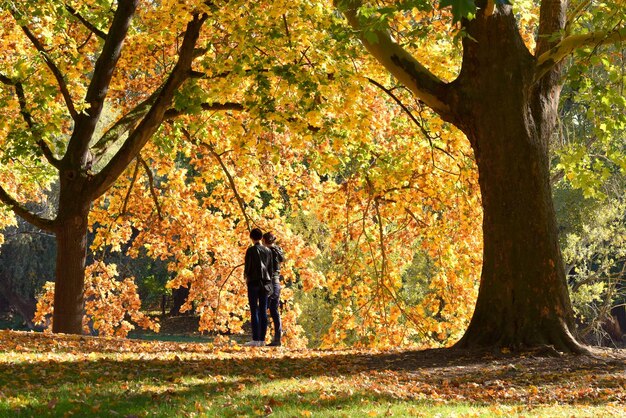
(278, 257)
(258, 269)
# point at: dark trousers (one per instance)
(274, 304)
(258, 311)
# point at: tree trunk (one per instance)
(71, 238)
(523, 299)
(179, 297)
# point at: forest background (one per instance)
(287, 124)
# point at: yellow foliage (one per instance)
(315, 138)
(109, 303)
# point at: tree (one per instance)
(253, 54)
(505, 100)
(211, 176)
(66, 138)
(588, 178)
(397, 193)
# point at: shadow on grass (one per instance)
(338, 364)
(132, 386)
(446, 363)
(213, 399)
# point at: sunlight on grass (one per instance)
(95, 377)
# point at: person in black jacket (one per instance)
(278, 257)
(257, 272)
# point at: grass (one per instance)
(233, 396)
(95, 377)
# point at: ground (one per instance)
(44, 375)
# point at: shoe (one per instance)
(260, 343)
(251, 344)
(274, 344)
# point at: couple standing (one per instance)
(262, 273)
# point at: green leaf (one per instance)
(370, 37)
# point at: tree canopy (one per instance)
(178, 126)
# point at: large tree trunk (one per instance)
(71, 237)
(523, 299)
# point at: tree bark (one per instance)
(71, 238)
(523, 301)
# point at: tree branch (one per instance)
(99, 85)
(410, 72)
(28, 216)
(92, 28)
(381, 240)
(231, 180)
(491, 7)
(130, 121)
(21, 99)
(45, 149)
(51, 65)
(130, 188)
(416, 122)
(415, 218)
(153, 119)
(556, 54)
(574, 14)
(287, 29)
(224, 74)
(85, 42)
(125, 124)
(151, 183)
(6, 80)
(48, 154)
(28, 118)
(551, 21)
(219, 291)
(173, 113)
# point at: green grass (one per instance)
(232, 396)
(60, 376)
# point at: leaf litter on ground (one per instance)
(63, 375)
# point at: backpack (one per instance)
(266, 278)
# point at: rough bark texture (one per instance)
(523, 299)
(71, 238)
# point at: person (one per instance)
(278, 257)
(257, 272)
